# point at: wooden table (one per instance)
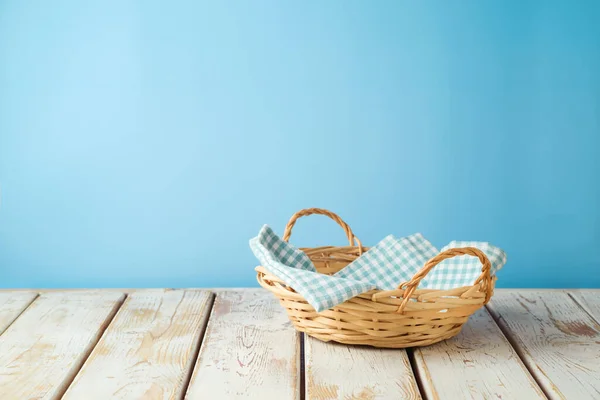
(227, 344)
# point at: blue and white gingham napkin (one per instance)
(269, 248)
(297, 271)
(391, 262)
(385, 266)
(461, 271)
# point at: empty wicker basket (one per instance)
(404, 317)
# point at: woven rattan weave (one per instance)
(404, 317)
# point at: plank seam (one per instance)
(498, 320)
(37, 295)
(202, 343)
(103, 328)
(410, 352)
(584, 307)
(302, 366)
(197, 346)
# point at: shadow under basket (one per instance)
(403, 317)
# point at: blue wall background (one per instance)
(143, 143)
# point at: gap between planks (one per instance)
(43, 366)
(417, 373)
(8, 315)
(580, 297)
(166, 328)
(196, 353)
(515, 345)
(249, 349)
(479, 362)
(19, 302)
(302, 372)
(565, 325)
(102, 329)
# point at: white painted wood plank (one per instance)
(120, 290)
(43, 349)
(335, 371)
(557, 340)
(149, 349)
(589, 300)
(478, 363)
(250, 350)
(12, 305)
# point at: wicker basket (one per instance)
(404, 317)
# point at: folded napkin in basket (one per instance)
(391, 262)
(297, 271)
(461, 271)
(385, 266)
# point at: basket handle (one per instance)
(485, 278)
(309, 211)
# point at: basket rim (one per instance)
(393, 297)
(403, 317)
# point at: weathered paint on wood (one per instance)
(12, 305)
(478, 363)
(148, 350)
(589, 300)
(335, 371)
(557, 340)
(250, 350)
(43, 349)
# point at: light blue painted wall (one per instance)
(143, 143)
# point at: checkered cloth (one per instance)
(391, 262)
(278, 251)
(385, 266)
(297, 271)
(461, 271)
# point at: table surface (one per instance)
(238, 343)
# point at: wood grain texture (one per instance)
(335, 371)
(250, 350)
(12, 305)
(557, 340)
(479, 363)
(589, 300)
(148, 350)
(43, 349)
(120, 290)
